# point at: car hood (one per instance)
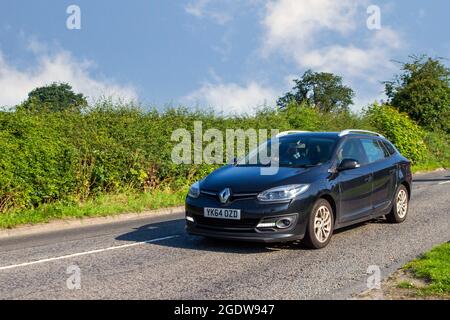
(250, 180)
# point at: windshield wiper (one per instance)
(281, 165)
(252, 165)
(304, 166)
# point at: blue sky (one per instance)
(232, 55)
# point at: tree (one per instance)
(422, 91)
(54, 98)
(319, 89)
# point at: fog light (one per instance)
(266, 225)
(284, 223)
(190, 219)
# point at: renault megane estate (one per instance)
(324, 181)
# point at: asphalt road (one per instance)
(155, 259)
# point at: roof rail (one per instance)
(285, 133)
(349, 131)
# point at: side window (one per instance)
(389, 147)
(352, 149)
(373, 150)
(385, 150)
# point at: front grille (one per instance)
(234, 196)
(222, 229)
(211, 195)
(224, 223)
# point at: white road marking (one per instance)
(86, 253)
(444, 182)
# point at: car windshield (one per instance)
(293, 151)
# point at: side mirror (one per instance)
(348, 164)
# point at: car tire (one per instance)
(320, 225)
(400, 206)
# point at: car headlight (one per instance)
(194, 190)
(283, 193)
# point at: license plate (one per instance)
(221, 213)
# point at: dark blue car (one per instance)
(324, 181)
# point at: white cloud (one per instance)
(222, 11)
(202, 9)
(293, 22)
(306, 33)
(196, 8)
(369, 61)
(225, 46)
(231, 98)
(353, 62)
(323, 35)
(388, 38)
(59, 67)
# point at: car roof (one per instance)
(335, 135)
(313, 134)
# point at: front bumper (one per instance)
(252, 213)
(238, 236)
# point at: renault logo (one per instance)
(224, 195)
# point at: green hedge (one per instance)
(70, 156)
(400, 130)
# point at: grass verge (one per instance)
(104, 205)
(425, 278)
(434, 268)
(429, 166)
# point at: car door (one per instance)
(392, 164)
(383, 168)
(355, 186)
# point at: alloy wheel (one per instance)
(322, 224)
(402, 204)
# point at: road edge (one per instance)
(72, 223)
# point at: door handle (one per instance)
(368, 178)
